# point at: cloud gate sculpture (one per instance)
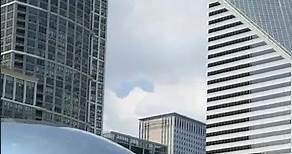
(23, 137)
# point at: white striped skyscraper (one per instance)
(249, 77)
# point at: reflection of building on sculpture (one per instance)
(19, 136)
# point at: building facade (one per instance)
(181, 134)
(136, 145)
(61, 43)
(249, 77)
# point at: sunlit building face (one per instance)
(249, 76)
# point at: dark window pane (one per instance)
(9, 87)
(19, 90)
(29, 92)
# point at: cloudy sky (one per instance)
(156, 58)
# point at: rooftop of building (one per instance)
(171, 114)
(131, 137)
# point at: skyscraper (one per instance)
(181, 134)
(249, 77)
(61, 44)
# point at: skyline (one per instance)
(156, 58)
(147, 76)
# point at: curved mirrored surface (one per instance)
(32, 138)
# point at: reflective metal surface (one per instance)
(33, 138)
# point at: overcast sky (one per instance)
(155, 62)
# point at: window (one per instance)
(2, 81)
(19, 91)
(9, 87)
(221, 19)
(33, 2)
(29, 92)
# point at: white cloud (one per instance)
(160, 43)
(156, 39)
(123, 113)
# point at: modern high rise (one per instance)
(61, 45)
(181, 134)
(249, 77)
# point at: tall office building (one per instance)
(61, 45)
(181, 134)
(249, 77)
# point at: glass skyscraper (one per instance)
(53, 52)
(249, 77)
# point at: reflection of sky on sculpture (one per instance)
(19, 138)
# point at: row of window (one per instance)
(214, 4)
(243, 129)
(232, 42)
(221, 19)
(239, 49)
(237, 76)
(218, 12)
(226, 61)
(274, 77)
(245, 147)
(76, 8)
(243, 138)
(216, 29)
(225, 114)
(229, 95)
(241, 84)
(252, 146)
(228, 87)
(236, 121)
(229, 69)
(18, 89)
(225, 105)
(227, 52)
(278, 67)
(228, 34)
(266, 88)
(19, 111)
(10, 109)
(275, 105)
(230, 122)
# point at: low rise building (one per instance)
(136, 145)
(182, 135)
